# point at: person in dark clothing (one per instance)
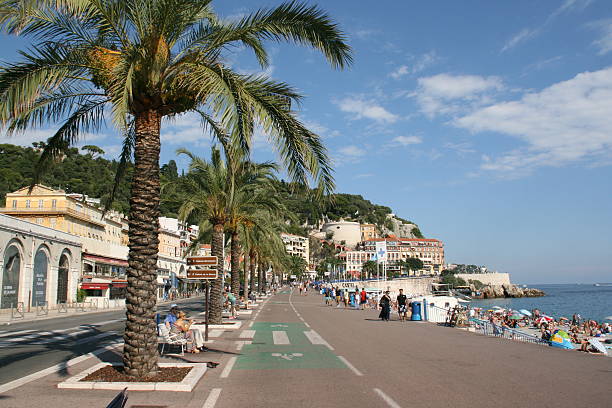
(402, 308)
(385, 304)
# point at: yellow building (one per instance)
(368, 231)
(104, 236)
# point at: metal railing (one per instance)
(42, 308)
(438, 314)
(490, 329)
(62, 307)
(18, 312)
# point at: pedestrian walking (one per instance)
(363, 298)
(385, 304)
(402, 307)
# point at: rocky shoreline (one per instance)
(504, 291)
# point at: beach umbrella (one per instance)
(516, 317)
(561, 342)
(608, 318)
(525, 312)
(598, 346)
(544, 319)
(562, 333)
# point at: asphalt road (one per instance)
(28, 347)
(293, 351)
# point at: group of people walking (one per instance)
(401, 304)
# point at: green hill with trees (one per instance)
(86, 171)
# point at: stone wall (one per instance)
(495, 279)
(412, 286)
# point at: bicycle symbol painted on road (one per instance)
(287, 356)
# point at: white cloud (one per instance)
(420, 63)
(185, 129)
(565, 123)
(522, 36)
(41, 135)
(406, 140)
(528, 33)
(604, 43)
(366, 109)
(352, 151)
(400, 72)
(461, 148)
(445, 93)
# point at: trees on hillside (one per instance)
(137, 62)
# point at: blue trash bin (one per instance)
(416, 311)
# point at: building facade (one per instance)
(368, 231)
(297, 245)
(40, 266)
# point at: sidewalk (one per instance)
(41, 388)
(5, 317)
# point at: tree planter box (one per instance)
(187, 385)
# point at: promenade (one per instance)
(292, 351)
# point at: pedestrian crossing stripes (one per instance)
(247, 334)
(315, 338)
(56, 336)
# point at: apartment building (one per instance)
(368, 231)
(297, 245)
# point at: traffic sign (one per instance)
(201, 274)
(202, 260)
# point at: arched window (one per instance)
(39, 278)
(62, 279)
(10, 277)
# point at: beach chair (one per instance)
(167, 338)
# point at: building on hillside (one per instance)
(40, 266)
(429, 251)
(297, 245)
(343, 232)
(368, 231)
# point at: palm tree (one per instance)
(206, 198)
(139, 61)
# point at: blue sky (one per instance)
(487, 123)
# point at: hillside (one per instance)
(87, 172)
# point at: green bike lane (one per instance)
(285, 367)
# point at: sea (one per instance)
(589, 301)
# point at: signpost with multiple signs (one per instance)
(203, 268)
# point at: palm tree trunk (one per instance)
(216, 302)
(259, 282)
(246, 279)
(253, 265)
(140, 336)
(265, 280)
(235, 264)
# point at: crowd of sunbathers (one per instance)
(579, 330)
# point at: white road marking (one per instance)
(53, 369)
(306, 324)
(215, 333)
(350, 366)
(247, 334)
(251, 324)
(212, 398)
(107, 322)
(241, 343)
(228, 367)
(315, 338)
(386, 398)
(280, 338)
(16, 333)
(96, 337)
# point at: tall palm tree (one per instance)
(137, 62)
(206, 198)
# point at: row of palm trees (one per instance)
(232, 195)
(130, 64)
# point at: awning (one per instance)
(94, 286)
(119, 284)
(105, 260)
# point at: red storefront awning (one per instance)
(119, 284)
(94, 286)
